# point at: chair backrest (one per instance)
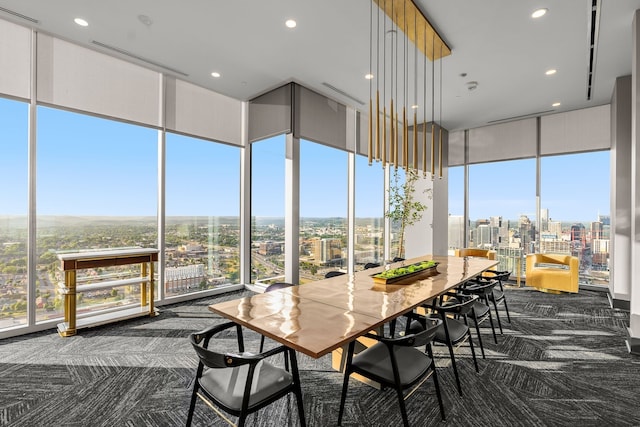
(476, 252)
(333, 273)
(371, 265)
(480, 286)
(278, 285)
(462, 306)
(397, 259)
(200, 342)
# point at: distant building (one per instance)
(327, 250)
(456, 231)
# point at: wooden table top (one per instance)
(316, 318)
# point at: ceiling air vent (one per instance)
(594, 31)
(139, 58)
(19, 15)
(343, 93)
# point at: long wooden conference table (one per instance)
(319, 317)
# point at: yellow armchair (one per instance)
(476, 252)
(552, 273)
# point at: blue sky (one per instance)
(91, 166)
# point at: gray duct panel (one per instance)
(82, 79)
(193, 110)
(456, 148)
(270, 114)
(505, 141)
(576, 131)
(319, 119)
(15, 60)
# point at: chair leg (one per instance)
(479, 336)
(495, 306)
(297, 390)
(192, 405)
(493, 328)
(473, 353)
(403, 408)
(455, 368)
(345, 384)
(506, 308)
(436, 383)
(261, 343)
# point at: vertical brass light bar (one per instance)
(392, 134)
(440, 153)
(370, 133)
(377, 155)
(433, 148)
(440, 133)
(370, 141)
(384, 136)
(415, 139)
(405, 138)
(424, 112)
(377, 77)
(396, 128)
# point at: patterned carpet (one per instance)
(561, 362)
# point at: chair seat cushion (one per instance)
(457, 331)
(497, 295)
(376, 360)
(227, 385)
(481, 309)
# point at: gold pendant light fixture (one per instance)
(389, 129)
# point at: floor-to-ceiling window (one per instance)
(323, 210)
(369, 213)
(502, 210)
(96, 188)
(268, 210)
(575, 211)
(202, 215)
(456, 209)
(13, 216)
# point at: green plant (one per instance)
(404, 208)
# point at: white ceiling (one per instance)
(495, 42)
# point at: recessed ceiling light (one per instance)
(550, 72)
(215, 74)
(290, 23)
(368, 76)
(555, 104)
(81, 22)
(538, 13)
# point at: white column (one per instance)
(620, 248)
(634, 316)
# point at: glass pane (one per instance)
(267, 210)
(14, 164)
(369, 206)
(575, 208)
(456, 208)
(97, 189)
(323, 210)
(398, 178)
(502, 210)
(202, 208)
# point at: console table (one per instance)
(70, 263)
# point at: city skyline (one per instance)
(101, 158)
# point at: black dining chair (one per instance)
(237, 382)
(396, 363)
(454, 329)
(481, 308)
(371, 265)
(498, 296)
